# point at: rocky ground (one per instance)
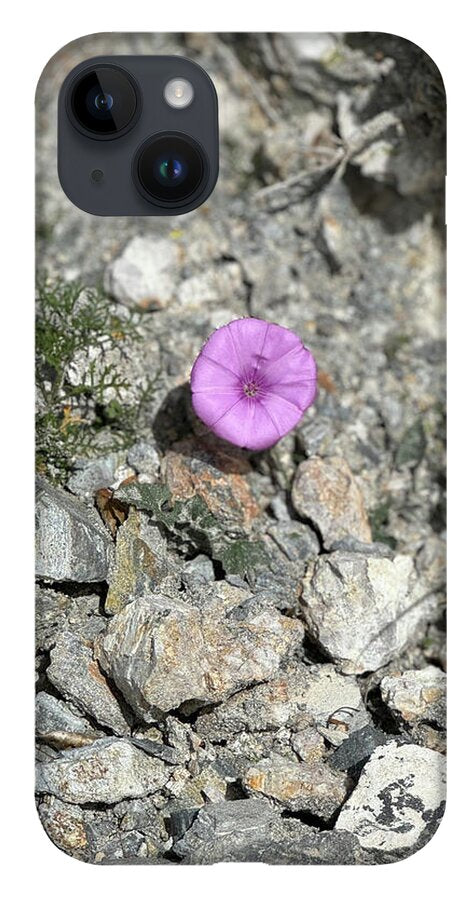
(241, 656)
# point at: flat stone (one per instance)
(76, 675)
(109, 770)
(364, 610)
(325, 491)
(298, 698)
(145, 274)
(417, 695)
(162, 652)
(142, 563)
(298, 787)
(399, 799)
(72, 543)
(252, 831)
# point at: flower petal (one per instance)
(211, 406)
(295, 366)
(248, 425)
(223, 347)
(209, 373)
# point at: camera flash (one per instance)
(178, 93)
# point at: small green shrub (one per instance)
(90, 417)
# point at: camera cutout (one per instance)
(138, 135)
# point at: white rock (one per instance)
(365, 609)
(416, 695)
(398, 800)
(108, 771)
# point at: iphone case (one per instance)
(241, 654)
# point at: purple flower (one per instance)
(252, 382)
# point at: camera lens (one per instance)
(104, 101)
(170, 168)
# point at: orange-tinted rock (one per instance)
(219, 476)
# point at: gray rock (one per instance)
(416, 696)
(142, 563)
(55, 611)
(218, 284)
(145, 274)
(65, 825)
(399, 799)
(364, 611)
(162, 652)
(130, 831)
(90, 475)
(76, 674)
(252, 831)
(325, 491)
(198, 571)
(72, 544)
(109, 770)
(298, 787)
(357, 749)
(59, 725)
(143, 457)
(298, 698)
(290, 546)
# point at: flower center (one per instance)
(251, 388)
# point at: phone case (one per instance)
(240, 653)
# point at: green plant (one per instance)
(87, 414)
(193, 526)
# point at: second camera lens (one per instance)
(104, 101)
(170, 168)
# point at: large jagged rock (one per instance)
(299, 698)
(72, 543)
(298, 787)
(252, 831)
(162, 652)
(399, 799)
(416, 696)
(76, 675)
(325, 491)
(363, 610)
(109, 770)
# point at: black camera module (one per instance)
(127, 147)
(104, 102)
(170, 169)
